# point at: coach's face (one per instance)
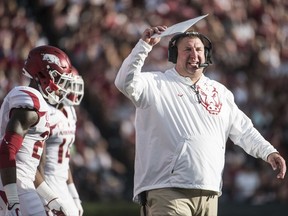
(191, 53)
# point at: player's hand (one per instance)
(56, 206)
(13, 209)
(79, 206)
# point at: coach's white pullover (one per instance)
(181, 137)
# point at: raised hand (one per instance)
(147, 34)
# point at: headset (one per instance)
(173, 52)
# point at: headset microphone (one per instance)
(203, 65)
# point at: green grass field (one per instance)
(111, 209)
(225, 209)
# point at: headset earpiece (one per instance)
(172, 49)
(172, 53)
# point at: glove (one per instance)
(79, 206)
(13, 209)
(75, 195)
(55, 205)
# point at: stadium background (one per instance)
(250, 56)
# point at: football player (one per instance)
(58, 146)
(25, 125)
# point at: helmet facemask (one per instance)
(75, 92)
(58, 87)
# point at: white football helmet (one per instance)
(75, 90)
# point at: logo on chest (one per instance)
(210, 99)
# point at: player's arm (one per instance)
(20, 121)
(74, 193)
(53, 202)
(41, 165)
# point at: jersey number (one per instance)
(39, 144)
(61, 149)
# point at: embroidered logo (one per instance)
(210, 99)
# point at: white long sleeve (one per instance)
(179, 141)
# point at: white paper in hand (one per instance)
(179, 27)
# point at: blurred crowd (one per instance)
(250, 57)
